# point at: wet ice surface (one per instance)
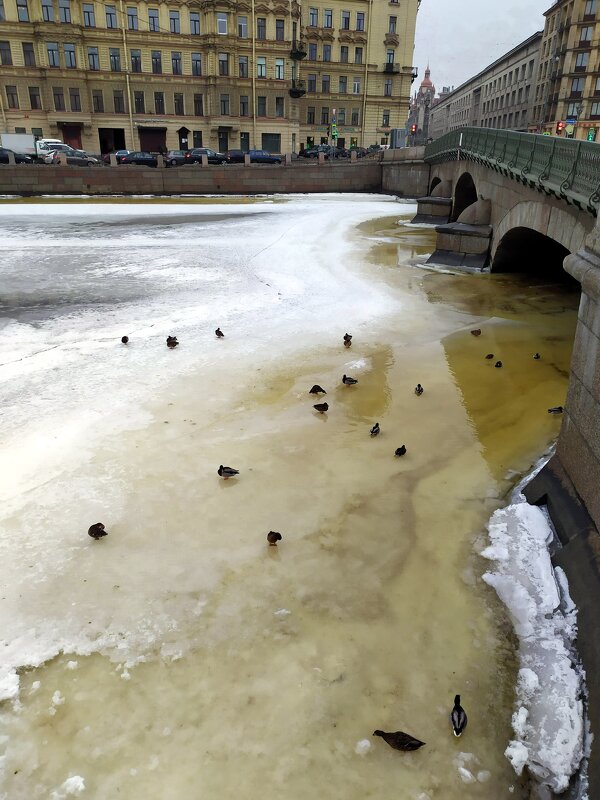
(197, 658)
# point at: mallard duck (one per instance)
(375, 430)
(458, 718)
(97, 531)
(348, 381)
(124, 339)
(476, 332)
(321, 407)
(316, 389)
(400, 740)
(219, 333)
(347, 337)
(419, 390)
(489, 356)
(536, 356)
(273, 537)
(556, 410)
(400, 451)
(172, 341)
(498, 364)
(227, 472)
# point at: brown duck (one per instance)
(400, 740)
(97, 531)
(273, 537)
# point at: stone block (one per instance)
(204, 159)
(581, 466)
(353, 157)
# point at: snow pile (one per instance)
(362, 747)
(548, 720)
(72, 786)
(466, 766)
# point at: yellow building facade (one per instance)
(214, 73)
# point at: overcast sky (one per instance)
(461, 37)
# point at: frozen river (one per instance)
(180, 656)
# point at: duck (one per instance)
(227, 472)
(400, 740)
(419, 390)
(97, 531)
(273, 537)
(458, 718)
(400, 451)
(321, 407)
(316, 389)
(347, 337)
(375, 430)
(347, 343)
(219, 333)
(556, 410)
(172, 342)
(536, 356)
(124, 339)
(348, 381)
(498, 364)
(476, 332)
(489, 356)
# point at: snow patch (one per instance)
(362, 747)
(72, 786)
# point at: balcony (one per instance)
(297, 89)
(297, 53)
(391, 69)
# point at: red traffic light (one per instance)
(413, 128)
(560, 126)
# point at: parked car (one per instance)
(195, 156)
(142, 159)
(118, 154)
(175, 158)
(256, 157)
(20, 158)
(75, 158)
(361, 152)
(328, 150)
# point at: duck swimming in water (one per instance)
(219, 333)
(556, 410)
(273, 537)
(498, 364)
(375, 430)
(458, 718)
(489, 356)
(536, 356)
(316, 389)
(172, 342)
(348, 381)
(400, 740)
(419, 390)
(227, 472)
(476, 332)
(97, 531)
(124, 339)
(321, 407)
(400, 451)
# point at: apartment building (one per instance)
(224, 74)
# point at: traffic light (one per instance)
(413, 129)
(560, 126)
(591, 137)
(334, 130)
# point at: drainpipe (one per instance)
(123, 31)
(253, 78)
(362, 127)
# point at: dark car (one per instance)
(361, 152)
(235, 156)
(195, 156)
(74, 158)
(118, 154)
(255, 156)
(20, 158)
(175, 158)
(328, 151)
(140, 158)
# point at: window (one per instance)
(279, 107)
(354, 120)
(2, 12)
(176, 63)
(118, 101)
(590, 8)
(344, 54)
(114, 55)
(325, 84)
(279, 30)
(385, 122)
(328, 18)
(12, 97)
(261, 103)
(74, 100)
(312, 51)
(573, 110)
(345, 26)
(595, 113)
(64, 10)
(343, 88)
(222, 24)
(195, 23)
(153, 22)
(139, 103)
(132, 18)
(196, 64)
(198, 105)
(35, 100)
(93, 59)
(197, 138)
(356, 85)
(389, 56)
(326, 52)
(577, 87)
(111, 16)
(178, 104)
(341, 116)
(244, 105)
(310, 115)
(23, 11)
(89, 15)
(313, 17)
(136, 60)
(261, 28)
(98, 101)
(28, 54)
(261, 67)
(159, 102)
(325, 115)
(360, 21)
(223, 63)
(52, 50)
(311, 83)
(358, 54)
(392, 24)
(47, 11)
(586, 34)
(156, 62)
(224, 105)
(59, 98)
(70, 57)
(581, 62)
(597, 87)
(279, 69)
(387, 87)
(243, 27)
(243, 66)
(174, 24)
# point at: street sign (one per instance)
(571, 120)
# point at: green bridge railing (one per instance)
(566, 168)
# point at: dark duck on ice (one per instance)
(458, 718)
(316, 389)
(375, 430)
(97, 531)
(419, 390)
(400, 740)
(219, 334)
(348, 381)
(273, 537)
(172, 342)
(321, 407)
(227, 472)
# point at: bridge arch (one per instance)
(465, 194)
(433, 184)
(526, 250)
